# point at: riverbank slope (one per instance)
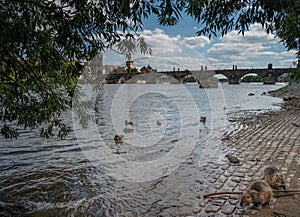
(289, 143)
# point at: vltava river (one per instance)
(151, 173)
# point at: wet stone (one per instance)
(202, 169)
(212, 179)
(203, 187)
(231, 184)
(213, 166)
(228, 209)
(236, 179)
(247, 179)
(215, 175)
(202, 203)
(231, 169)
(242, 187)
(247, 166)
(256, 168)
(216, 185)
(243, 170)
(206, 174)
(239, 174)
(227, 174)
(250, 174)
(222, 179)
(259, 174)
(200, 181)
(197, 210)
(182, 211)
(212, 208)
(207, 215)
(206, 191)
(233, 201)
(227, 188)
(241, 212)
(218, 172)
(225, 166)
(288, 180)
(254, 212)
(218, 202)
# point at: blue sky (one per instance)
(179, 47)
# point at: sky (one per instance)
(179, 47)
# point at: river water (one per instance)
(153, 172)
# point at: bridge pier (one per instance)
(269, 79)
(234, 80)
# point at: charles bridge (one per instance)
(234, 75)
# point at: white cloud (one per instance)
(213, 60)
(161, 42)
(234, 50)
(256, 45)
(288, 54)
(255, 49)
(168, 63)
(196, 42)
(255, 35)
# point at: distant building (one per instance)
(106, 69)
(126, 69)
(147, 69)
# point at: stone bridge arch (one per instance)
(189, 76)
(269, 75)
(251, 73)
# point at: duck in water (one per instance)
(203, 119)
(128, 123)
(118, 139)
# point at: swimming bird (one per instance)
(158, 123)
(127, 130)
(128, 122)
(203, 119)
(118, 139)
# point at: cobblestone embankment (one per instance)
(265, 140)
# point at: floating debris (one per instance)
(232, 159)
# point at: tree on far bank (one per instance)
(42, 43)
